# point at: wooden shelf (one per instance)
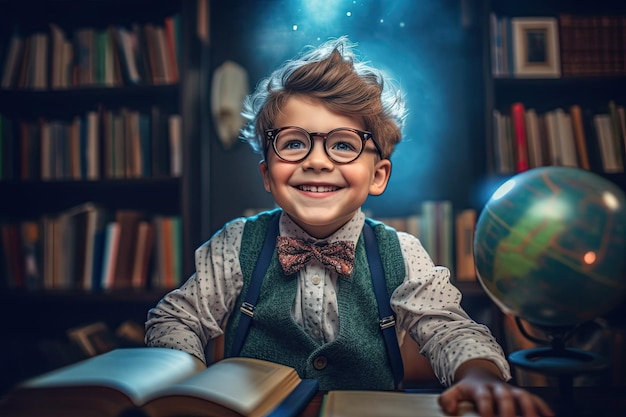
(26, 103)
(33, 198)
(64, 297)
(591, 92)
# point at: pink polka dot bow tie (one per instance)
(294, 253)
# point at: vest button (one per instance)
(316, 279)
(320, 362)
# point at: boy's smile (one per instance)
(318, 194)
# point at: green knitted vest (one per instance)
(357, 358)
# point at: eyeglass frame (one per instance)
(272, 134)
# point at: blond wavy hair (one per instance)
(333, 74)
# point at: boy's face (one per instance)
(318, 194)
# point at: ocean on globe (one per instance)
(550, 246)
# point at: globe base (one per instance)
(564, 363)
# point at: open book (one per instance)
(387, 403)
(162, 382)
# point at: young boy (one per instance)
(326, 125)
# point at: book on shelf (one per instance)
(436, 231)
(533, 133)
(175, 129)
(465, 224)
(143, 254)
(12, 60)
(576, 137)
(616, 131)
(565, 139)
(13, 256)
(587, 45)
(91, 247)
(446, 234)
(110, 250)
(171, 29)
(167, 271)
(99, 144)
(355, 403)
(94, 237)
(578, 129)
(503, 149)
(162, 382)
(112, 56)
(518, 120)
(590, 45)
(611, 162)
(66, 247)
(93, 339)
(128, 221)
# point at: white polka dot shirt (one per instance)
(427, 305)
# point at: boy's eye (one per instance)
(293, 144)
(344, 141)
(343, 147)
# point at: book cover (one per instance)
(606, 144)
(616, 132)
(387, 403)
(536, 154)
(143, 254)
(579, 136)
(172, 42)
(552, 130)
(95, 225)
(162, 382)
(128, 47)
(128, 221)
(518, 120)
(175, 122)
(12, 61)
(566, 139)
(465, 225)
(14, 255)
(109, 254)
(32, 251)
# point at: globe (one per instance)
(550, 246)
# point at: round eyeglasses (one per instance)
(342, 145)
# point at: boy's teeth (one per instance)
(317, 189)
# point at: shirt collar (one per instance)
(349, 232)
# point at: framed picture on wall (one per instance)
(535, 47)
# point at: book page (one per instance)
(137, 372)
(386, 403)
(248, 386)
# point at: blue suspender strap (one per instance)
(247, 307)
(387, 318)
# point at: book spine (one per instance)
(518, 119)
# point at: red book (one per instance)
(518, 121)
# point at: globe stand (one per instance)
(560, 361)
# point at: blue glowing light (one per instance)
(419, 44)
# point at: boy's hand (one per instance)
(477, 381)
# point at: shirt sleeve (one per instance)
(189, 317)
(428, 307)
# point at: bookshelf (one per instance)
(168, 184)
(591, 88)
(157, 189)
(592, 74)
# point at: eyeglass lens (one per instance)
(341, 145)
